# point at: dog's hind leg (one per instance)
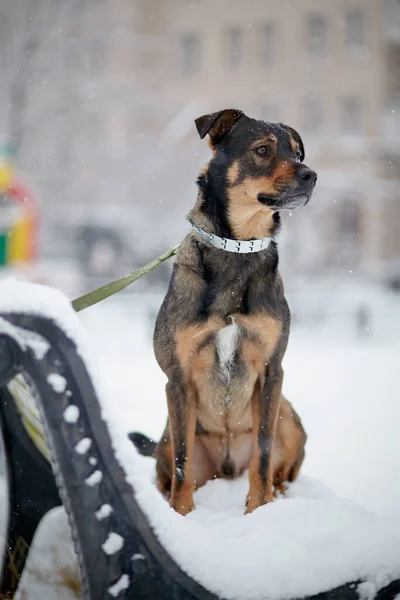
(163, 455)
(295, 470)
(289, 446)
(265, 411)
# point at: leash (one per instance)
(109, 289)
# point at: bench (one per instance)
(41, 367)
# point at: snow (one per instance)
(94, 478)
(57, 382)
(138, 556)
(118, 587)
(83, 446)
(321, 538)
(113, 543)
(342, 386)
(40, 300)
(51, 570)
(345, 392)
(71, 414)
(367, 591)
(104, 511)
(27, 339)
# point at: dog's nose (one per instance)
(307, 175)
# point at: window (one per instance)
(234, 47)
(312, 115)
(355, 29)
(316, 36)
(268, 44)
(351, 115)
(190, 53)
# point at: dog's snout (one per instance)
(307, 175)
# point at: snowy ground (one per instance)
(346, 393)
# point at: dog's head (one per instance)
(257, 166)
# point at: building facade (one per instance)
(329, 69)
(115, 87)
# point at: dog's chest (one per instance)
(237, 284)
(226, 297)
(227, 342)
(227, 366)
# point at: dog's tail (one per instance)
(144, 445)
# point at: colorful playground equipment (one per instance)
(18, 219)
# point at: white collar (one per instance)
(238, 246)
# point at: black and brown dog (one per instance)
(223, 327)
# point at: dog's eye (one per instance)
(263, 150)
(297, 155)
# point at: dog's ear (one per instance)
(217, 124)
(296, 138)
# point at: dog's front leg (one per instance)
(265, 411)
(182, 414)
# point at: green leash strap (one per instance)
(113, 287)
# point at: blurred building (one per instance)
(331, 70)
(106, 95)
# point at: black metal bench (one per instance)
(35, 486)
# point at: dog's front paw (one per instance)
(183, 508)
(182, 501)
(254, 501)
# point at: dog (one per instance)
(223, 327)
